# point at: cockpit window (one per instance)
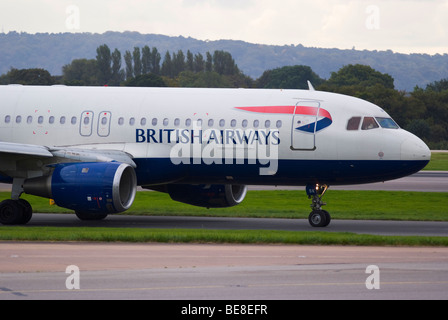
(353, 124)
(369, 123)
(387, 123)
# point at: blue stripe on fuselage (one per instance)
(290, 172)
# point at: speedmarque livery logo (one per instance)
(323, 117)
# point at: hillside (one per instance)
(52, 51)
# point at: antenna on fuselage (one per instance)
(310, 86)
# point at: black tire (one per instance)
(88, 216)
(318, 219)
(11, 212)
(27, 212)
(328, 217)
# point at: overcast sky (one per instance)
(407, 26)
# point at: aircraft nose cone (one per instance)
(413, 148)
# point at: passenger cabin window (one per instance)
(353, 124)
(369, 123)
(279, 124)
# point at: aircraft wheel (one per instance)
(319, 218)
(27, 211)
(11, 212)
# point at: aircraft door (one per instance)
(304, 126)
(104, 124)
(86, 124)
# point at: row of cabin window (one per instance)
(40, 119)
(143, 121)
(200, 122)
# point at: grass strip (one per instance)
(349, 205)
(211, 236)
(439, 162)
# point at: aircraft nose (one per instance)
(413, 148)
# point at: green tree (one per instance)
(294, 77)
(209, 62)
(224, 64)
(146, 80)
(136, 57)
(178, 63)
(199, 63)
(360, 75)
(438, 86)
(117, 73)
(420, 128)
(32, 77)
(167, 66)
(155, 61)
(81, 72)
(146, 60)
(190, 61)
(129, 66)
(104, 61)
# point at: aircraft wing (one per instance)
(15, 158)
(93, 155)
(25, 149)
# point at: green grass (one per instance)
(211, 236)
(357, 205)
(439, 162)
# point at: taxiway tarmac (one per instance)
(398, 228)
(231, 272)
(220, 272)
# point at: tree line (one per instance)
(424, 111)
(144, 66)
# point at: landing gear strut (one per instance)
(318, 218)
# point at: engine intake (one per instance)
(88, 187)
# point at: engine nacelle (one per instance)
(208, 196)
(100, 187)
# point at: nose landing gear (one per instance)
(318, 218)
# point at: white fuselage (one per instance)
(244, 136)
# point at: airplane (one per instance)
(89, 148)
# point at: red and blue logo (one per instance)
(323, 117)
